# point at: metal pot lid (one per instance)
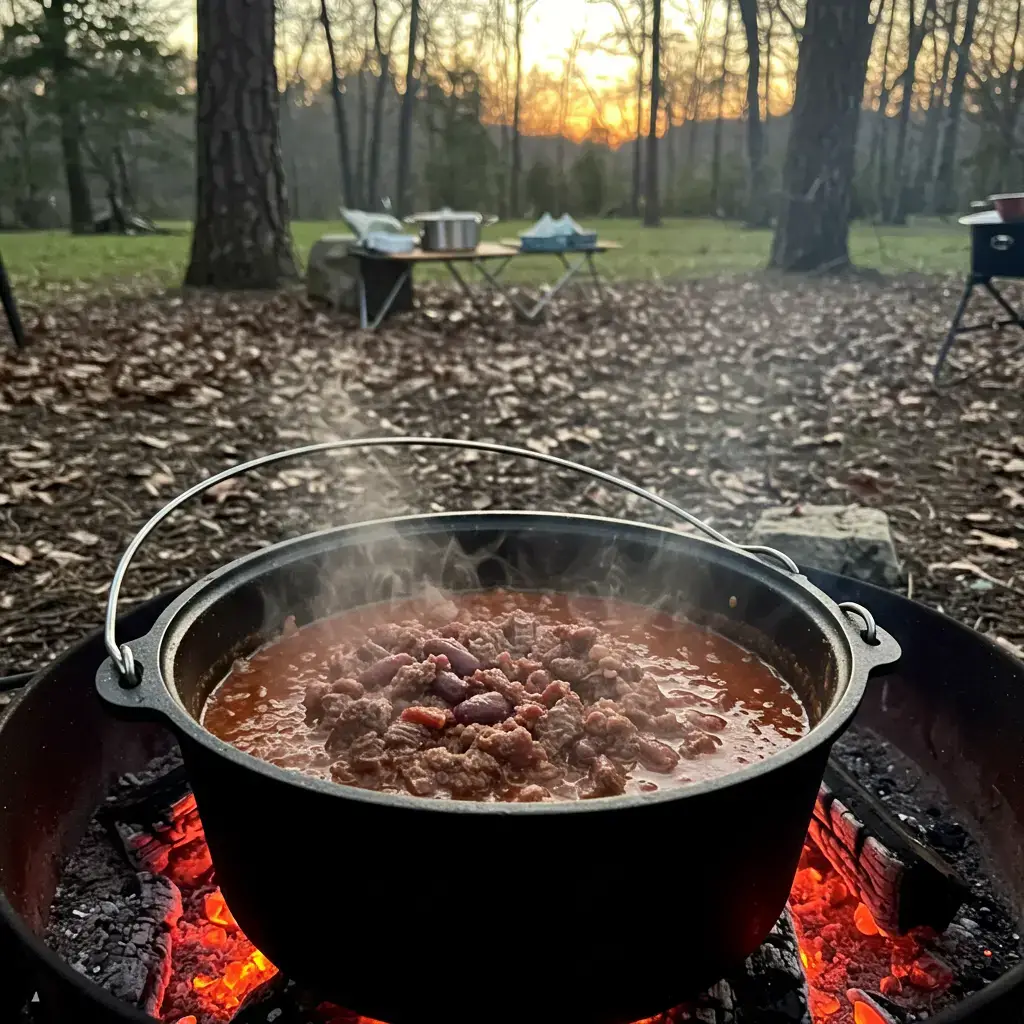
(448, 215)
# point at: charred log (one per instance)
(903, 883)
(770, 988)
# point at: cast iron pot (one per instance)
(414, 910)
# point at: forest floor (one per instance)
(46, 263)
(726, 395)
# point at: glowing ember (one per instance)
(864, 1013)
(863, 920)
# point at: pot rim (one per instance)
(154, 697)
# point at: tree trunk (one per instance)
(405, 124)
(340, 121)
(513, 185)
(652, 206)
(877, 152)
(124, 183)
(924, 180)
(945, 178)
(363, 130)
(757, 213)
(638, 172)
(813, 228)
(79, 203)
(373, 198)
(896, 211)
(716, 139)
(241, 237)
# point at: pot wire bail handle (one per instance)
(122, 657)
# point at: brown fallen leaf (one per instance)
(1014, 498)
(991, 540)
(1008, 645)
(84, 537)
(1013, 466)
(153, 442)
(979, 517)
(222, 491)
(20, 556)
(64, 558)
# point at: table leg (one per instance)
(385, 306)
(571, 270)
(953, 329)
(462, 283)
(598, 286)
(492, 278)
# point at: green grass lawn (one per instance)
(48, 261)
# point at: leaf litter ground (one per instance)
(727, 395)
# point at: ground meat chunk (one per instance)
(463, 776)
(656, 756)
(605, 779)
(348, 687)
(572, 670)
(406, 734)
(313, 701)
(412, 681)
(532, 794)
(356, 717)
(371, 651)
(496, 680)
(365, 756)
(514, 747)
(561, 725)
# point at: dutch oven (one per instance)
(414, 910)
(450, 230)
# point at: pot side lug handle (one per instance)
(875, 647)
(147, 699)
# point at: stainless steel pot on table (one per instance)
(450, 230)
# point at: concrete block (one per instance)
(848, 539)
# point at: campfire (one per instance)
(857, 945)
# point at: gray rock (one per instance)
(848, 539)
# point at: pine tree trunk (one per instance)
(513, 184)
(340, 121)
(817, 183)
(363, 132)
(757, 213)
(924, 178)
(652, 206)
(877, 157)
(945, 183)
(405, 124)
(79, 203)
(241, 237)
(638, 171)
(716, 139)
(896, 211)
(373, 197)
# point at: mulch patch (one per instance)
(725, 395)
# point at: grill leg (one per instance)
(998, 296)
(953, 328)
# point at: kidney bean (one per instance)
(483, 709)
(449, 686)
(380, 673)
(462, 661)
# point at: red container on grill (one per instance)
(1009, 205)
